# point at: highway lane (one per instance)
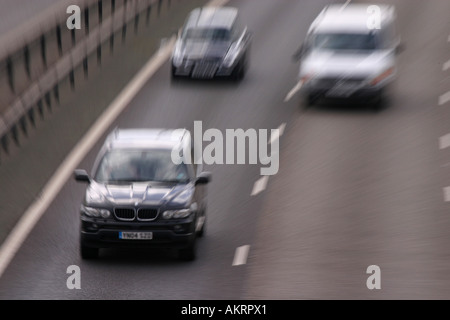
(357, 189)
(354, 188)
(38, 271)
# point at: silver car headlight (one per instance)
(231, 56)
(177, 57)
(179, 214)
(95, 212)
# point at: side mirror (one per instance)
(82, 176)
(203, 178)
(299, 53)
(400, 48)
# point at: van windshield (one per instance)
(345, 41)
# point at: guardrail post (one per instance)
(48, 101)
(159, 7)
(40, 107)
(99, 54)
(74, 41)
(26, 55)
(5, 144)
(147, 16)
(100, 11)
(56, 93)
(85, 67)
(23, 125)
(32, 118)
(59, 39)
(86, 20)
(15, 134)
(10, 72)
(136, 23)
(43, 50)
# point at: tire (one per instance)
(202, 231)
(239, 72)
(189, 253)
(307, 101)
(88, 253)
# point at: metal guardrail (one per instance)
(51, 27)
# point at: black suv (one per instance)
(139, 195)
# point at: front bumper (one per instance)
(203, 69)
(97, 233)
(348, 90)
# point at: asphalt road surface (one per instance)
(355, 187)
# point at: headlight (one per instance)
(382, 76)
(177, 58)
(179, 214)
(95, 212)
(231, 56)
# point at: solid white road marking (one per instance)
(444, 98)
(260, 185)
(293, 91)
(444, 141)
(277, 134)
(447, 194)
(446, 66)
(240, 256)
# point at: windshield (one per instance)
(217, 34)
(345, 41)
(140, 165)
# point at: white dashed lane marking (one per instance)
(444, 98)
(444, 141)
(240, 256)
(447, 194)
(260, 185)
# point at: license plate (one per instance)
(343, 90)
(136, 235)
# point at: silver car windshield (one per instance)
(209, 34)
(122, 166)
(345, 41)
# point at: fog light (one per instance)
(178, 227)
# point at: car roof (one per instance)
(146, 138)
(349, 18)
(212, 17)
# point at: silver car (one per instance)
(349, 53)
(212, 43)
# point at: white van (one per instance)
(349, 53)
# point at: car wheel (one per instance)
(307, 101)
(190, 252)
(88, 253)
(201, 232)
(173, 74)
(239, 72)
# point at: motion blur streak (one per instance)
(355, 188)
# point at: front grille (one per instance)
(125, 214)
(205, 69)
(147, 214)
